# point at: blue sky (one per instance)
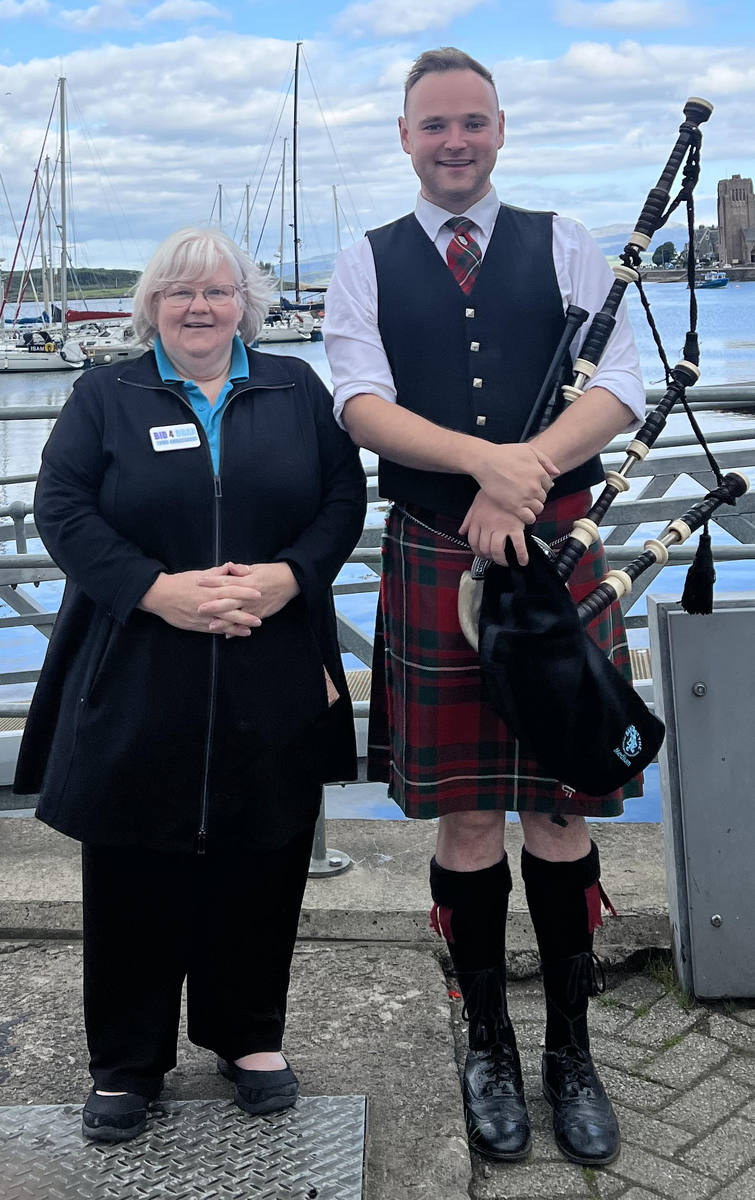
(170, 97)
(499, 28)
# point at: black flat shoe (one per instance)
(261, 1091)
(114, 1118)
(584, 1122)
(498, 1125)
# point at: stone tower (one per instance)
(736, 220)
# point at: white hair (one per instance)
(192, 254)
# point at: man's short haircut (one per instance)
(445, 58)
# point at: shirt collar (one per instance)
(239, 362)
(484, 214)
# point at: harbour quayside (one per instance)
(376, 1009)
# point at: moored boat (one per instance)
(714, 279)
(288, 327)
(281, 333)
(68, 357)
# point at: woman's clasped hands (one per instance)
(242, 596)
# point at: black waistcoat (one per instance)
(471, 363)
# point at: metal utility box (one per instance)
(704, 689)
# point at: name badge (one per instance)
(174, 437)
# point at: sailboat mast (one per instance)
(297, 285)
(43, 259)
(338, 222)
(283, 214)
(246, 227)
(63, 214)
(220, 205)
(48, 210)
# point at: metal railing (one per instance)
(660, 471)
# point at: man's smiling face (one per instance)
(453, 130)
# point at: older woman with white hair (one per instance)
(200, 500)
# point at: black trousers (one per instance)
(224, 922)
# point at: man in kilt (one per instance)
(440, 328)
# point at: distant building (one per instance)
(736, 220)
(706, 245)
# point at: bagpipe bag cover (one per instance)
(573, 711)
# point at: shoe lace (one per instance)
(485, 1004)
(499, 1072)
(587, 977)
(577, 1071)
(581, 978)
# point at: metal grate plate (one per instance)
(191, 1150)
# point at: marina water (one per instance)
(726, 327)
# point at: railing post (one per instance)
(17, 513)
(325, 862)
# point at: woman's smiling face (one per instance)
(199, 330)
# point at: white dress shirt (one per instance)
(358, 361)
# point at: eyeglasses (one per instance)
(218, 296)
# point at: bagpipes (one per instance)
(573, 711)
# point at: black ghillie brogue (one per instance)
(584, 1123)
(114, 1118)
(498, 1125)
(261, 1091)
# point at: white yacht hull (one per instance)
(26, 360)
(281, 333)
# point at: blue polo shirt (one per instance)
(208, 414)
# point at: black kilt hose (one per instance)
(434, 738)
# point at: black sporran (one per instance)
(573, 711)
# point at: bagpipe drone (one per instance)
(572, 710)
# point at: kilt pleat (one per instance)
(434, 738)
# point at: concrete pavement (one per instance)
(376, 1019)
(371, 1013)
(384, 896)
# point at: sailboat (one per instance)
(19, 358)
(46, 350)
(293, 321)
(280, 325)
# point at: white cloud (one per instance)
(623, 14)
(397, 18)
(120, 14)
(165, 144)
(110, 14)
(13, 9)
(395, 74)
(183, 10)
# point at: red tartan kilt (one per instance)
(434, 738)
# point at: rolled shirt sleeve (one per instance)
(585, 279)
(358, 362)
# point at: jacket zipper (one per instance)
(217, 493)
(217, 496)
(202, 832)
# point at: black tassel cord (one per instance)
(697, 596)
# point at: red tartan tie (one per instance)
(463, 254)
